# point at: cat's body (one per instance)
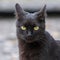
(46, 50)
(34, 42)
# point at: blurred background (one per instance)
(8, 40)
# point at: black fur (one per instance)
(38, 45)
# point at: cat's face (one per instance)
(30, 26)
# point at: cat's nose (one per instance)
(29, 34)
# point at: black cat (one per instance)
(34, 42)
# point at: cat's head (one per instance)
(30, 26)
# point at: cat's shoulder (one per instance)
(51, 39)
(48, 36)
(58, 42)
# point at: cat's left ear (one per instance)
(42, 13)
(19, 11)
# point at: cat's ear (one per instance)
(42, 13)
(19, 11)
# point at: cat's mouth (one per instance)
(30, 39)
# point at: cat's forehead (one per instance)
(30, 16)
(29, 19)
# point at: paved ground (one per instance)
(8, 40)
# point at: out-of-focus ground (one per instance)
(8, 41)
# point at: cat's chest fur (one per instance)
(34, 51)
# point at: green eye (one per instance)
(36, 28)
(23, 27)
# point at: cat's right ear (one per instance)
(19, 11)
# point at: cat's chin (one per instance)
(30, 41)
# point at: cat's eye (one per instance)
(36, 28)
(23, 27)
